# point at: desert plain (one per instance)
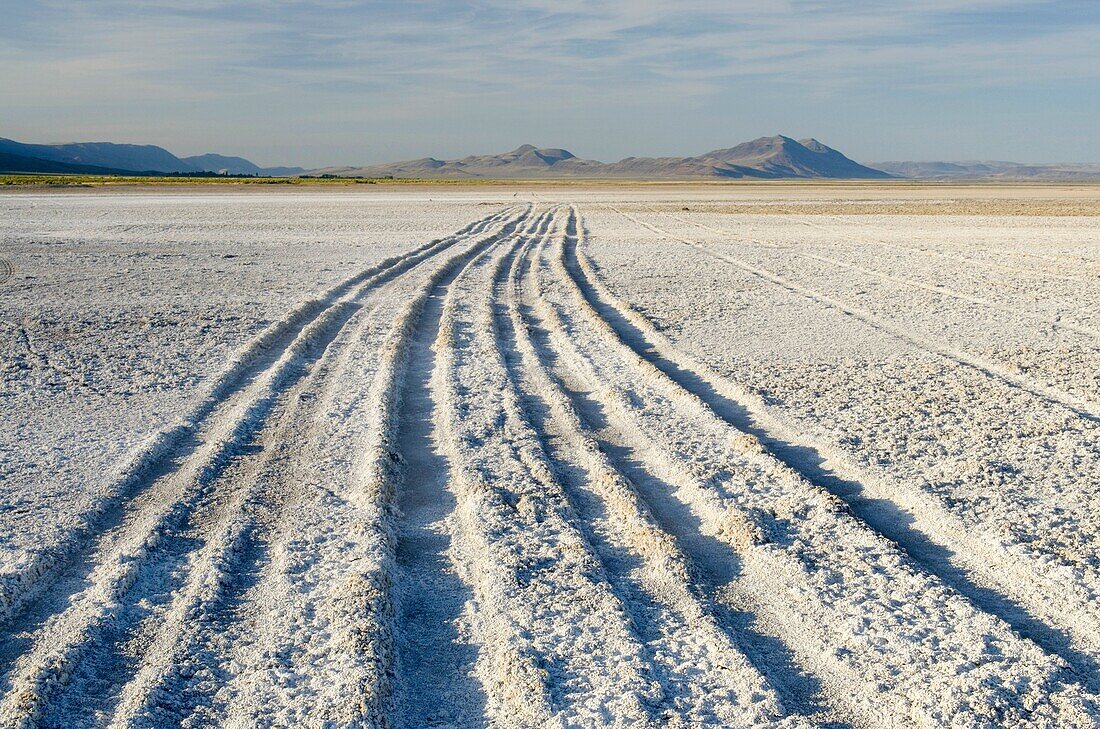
(741, 455)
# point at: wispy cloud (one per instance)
(336, 63)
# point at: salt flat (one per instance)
(745, 455)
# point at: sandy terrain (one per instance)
(787, 455)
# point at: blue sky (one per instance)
(336, 81)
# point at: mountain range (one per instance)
(766, 158)
(990, 170)
(110, 158)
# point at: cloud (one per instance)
(384, 60)
(497, 44)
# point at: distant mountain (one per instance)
(522, 162)
(19, 163)
(776, 157)
(991, 170)
(766, 158)
(237, 166)
(131, 158)
(143, 157)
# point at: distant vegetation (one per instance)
(206, 178)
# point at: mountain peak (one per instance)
(781, 156)
(776, 140)
(530, 155)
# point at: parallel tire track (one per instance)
(471, 487)
(944, 291)
(362, 617)
(1048, 393)
(122, 555)
(120, 560)
(361, 689)
(517, 687)
(403, 385)
(259, 357)
(513, 515)
(1026, 592)
(925, 250)
(660, 592)
(788, 574)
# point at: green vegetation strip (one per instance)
(33, 180)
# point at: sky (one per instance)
(343, 82)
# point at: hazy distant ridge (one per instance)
(766, 158)
(237, 166)
(115, 158)
(990, 170)
(775, 157)
(20, 163)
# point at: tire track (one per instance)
(1048, 257)
(165, 450)
(121, 561)
(433, 664)
(671, 491)
(1025, 593)
(360, 688)
(707, 680)
(475, 488)
(944, 291)
(362, 609)
(807, 565)
(1054, 396)
(520, 541)
(236, 530)
(502, 644)
(958, 257)
(99, 581)
(434, 675)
